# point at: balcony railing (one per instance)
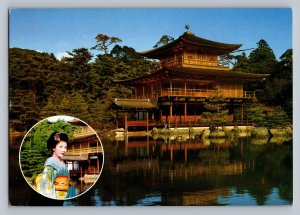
(83, 131)
(206, 93)
(195, 62)
(85, 150)
(197, 93)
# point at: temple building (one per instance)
(84, 157)
(190, 73)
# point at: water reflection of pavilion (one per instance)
(199, 173)
(146, 146)
(158, 172)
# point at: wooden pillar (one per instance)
(126, 125)
(185, 153)
(171, 111)
(242, 112)
(147, 121)
(117, 123)
(126, 145)
(143, 91)
(184, 87)
(147, 149)
(161, 88)
(171, 87)
(242, 148)
(160, 114)
(185, 111)
(151, 90)
(98, 164)
(171, 153)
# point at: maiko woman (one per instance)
(54, 181)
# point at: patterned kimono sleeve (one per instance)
(47, 185)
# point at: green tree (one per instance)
(278, 118)
(217, 112)
(125, 53)
(32, 77)
(104, 41)
(129, 63)
(279, 87)
(73, 104)
(165, 39)
(34, 150)
(262, 60)
(101, 112)
(78, 69)
(257, 114)
(242, 62)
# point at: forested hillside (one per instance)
(81, 85)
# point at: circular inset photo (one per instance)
(61, 157)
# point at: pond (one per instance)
(170, 170)
(187, 170)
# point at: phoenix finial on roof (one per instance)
(187, 27)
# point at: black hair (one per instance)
(55, 138)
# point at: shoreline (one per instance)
(222, 131)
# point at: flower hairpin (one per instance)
(57, 136)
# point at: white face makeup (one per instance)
(60, 149)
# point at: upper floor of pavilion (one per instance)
(192, 51)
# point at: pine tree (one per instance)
(217, 112)
(262, 60)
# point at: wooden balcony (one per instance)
(195, 93)
(206, 93)
(195, 63)
(84, 150)
(136, 123)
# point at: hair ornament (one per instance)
(57, 136)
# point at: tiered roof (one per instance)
(188, 40)
(191, 39)
(193, 73)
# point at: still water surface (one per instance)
(183, 170)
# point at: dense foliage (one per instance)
(275, 95)
(216, 112)
(34, 150)
(82, 84)
(79, 85)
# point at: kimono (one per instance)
(53, 182)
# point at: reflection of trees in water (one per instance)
(208, 157)
(272, 167)
(263, 168)
(276, 164)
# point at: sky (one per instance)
(59, 30)
(60, 117)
